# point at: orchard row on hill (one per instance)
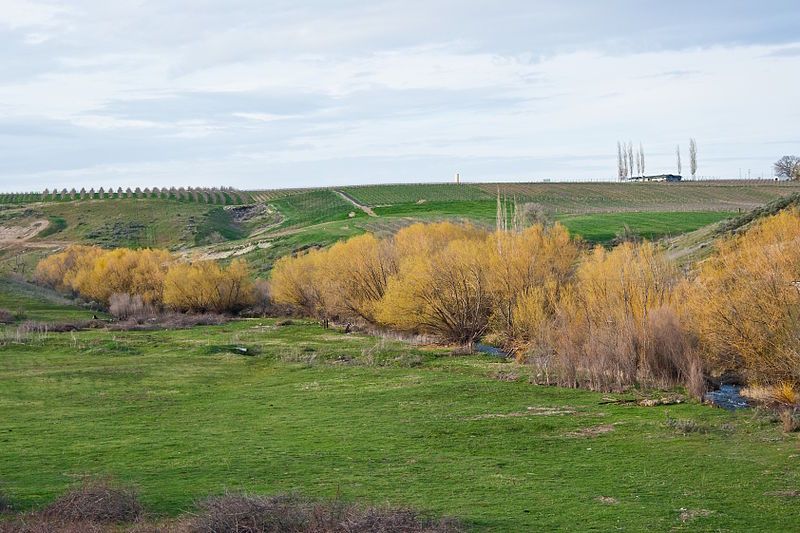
(216, 196)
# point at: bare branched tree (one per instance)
(678, 157)
(620, 162)
(693, 156)
(630, 157)
(500, 217)
(641, 159)
(788, 166)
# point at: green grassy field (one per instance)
(314, 207)
(603, 227)
(409, 193)
(179, 416)
(31, 302)
(590, 196)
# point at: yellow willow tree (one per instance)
(442, 292)
(297, 281)
(745, 302)
(355, 276)
(60, 269)
(349, 280)
(426, 239)
(125, 271)
(206, 286)
(526, 272)
(617, 323)
(96, 274)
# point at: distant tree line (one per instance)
(631, 164)
(206, 195)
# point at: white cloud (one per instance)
(398, 89)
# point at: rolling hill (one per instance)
(264, 225)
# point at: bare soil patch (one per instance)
(20, 234)
(531, 411)
(589, 432)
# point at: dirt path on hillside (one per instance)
(16, 235)
(353, 201)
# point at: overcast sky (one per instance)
(266, 94)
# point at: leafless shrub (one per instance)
(532, 213)
(696, 382)
(506, 375)
(464, 349)
(621, 354)
(37, 523)
(790, 419)
(6, 316)
(123, 305)
(686, 426)
(168, 320)
(238, 513)
(97, 501)
(670, 356)
(262, 297)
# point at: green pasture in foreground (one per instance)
(179, 415)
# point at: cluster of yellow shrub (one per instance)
(154, 275)
(745, 301)
(604, 318)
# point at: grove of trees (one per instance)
(149, 277)
(584, 317)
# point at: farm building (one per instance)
(660, 177)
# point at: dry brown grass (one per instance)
(102, 506)
(241, 513)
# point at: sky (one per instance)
(260, 94)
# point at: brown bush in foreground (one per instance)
(6, 316)
(168, 320)
(238, 513)
(123, 305)
(104, 507)
(97, 501)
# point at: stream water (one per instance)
(491, 350)
(728, 397)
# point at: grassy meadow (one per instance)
(30, 302)
(180, 415)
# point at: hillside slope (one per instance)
(264, 225)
